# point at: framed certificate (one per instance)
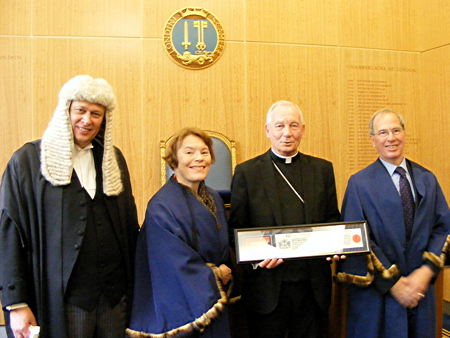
(301, 241)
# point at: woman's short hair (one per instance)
(176, 140)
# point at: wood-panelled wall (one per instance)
(339, 60)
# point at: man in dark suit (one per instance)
(285, 187)
(68, 223)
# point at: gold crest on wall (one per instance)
(194, 38)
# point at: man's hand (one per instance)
(270, 263)
(21, 319)
(403, 292)
(420, 279)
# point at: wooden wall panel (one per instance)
(15, 17)
(371, 80)
(16, 116)
(305, 75)
(446, 288)
(434, 117)
(293, 21)
(87, 18)
(234, 94)
(175, 98)
(381, 24)
(230, 13)
(339, 60)
(432, 23)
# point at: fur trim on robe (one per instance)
(199, 324)
(372, 263)
(438, 261)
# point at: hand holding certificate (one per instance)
(301, 241)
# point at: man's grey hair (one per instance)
(383, 112)
(284, 103)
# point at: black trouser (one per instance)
(297, 315)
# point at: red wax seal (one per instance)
(356, 238)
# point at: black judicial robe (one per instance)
(36, 253)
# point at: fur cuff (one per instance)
(348, 278)
(433, 259)
(372, 263)
(389, 273)
(366, 280)
(439, 262)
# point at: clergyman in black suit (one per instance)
(285, 187)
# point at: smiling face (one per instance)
(389, 138)
(86, 119)
(285, 130)
(194, 162)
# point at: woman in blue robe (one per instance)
(182, 251)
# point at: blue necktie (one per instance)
(407, 201)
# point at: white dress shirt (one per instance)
(83, 163)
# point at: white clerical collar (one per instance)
(287, 159)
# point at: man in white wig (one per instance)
(68, 223)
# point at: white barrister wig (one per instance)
(57, 142)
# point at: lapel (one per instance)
(70, 198)
(420, 191)
(114, 211)
(387, 201)
(267, 171)
(418, 186)
(386, 192)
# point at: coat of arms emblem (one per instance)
(194, 38)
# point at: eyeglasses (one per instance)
(384, 133)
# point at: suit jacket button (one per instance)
(76, 246)
(80, 232)
(11, 287)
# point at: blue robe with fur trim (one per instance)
(371, 195)
(173, 286)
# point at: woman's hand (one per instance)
(224, 274)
